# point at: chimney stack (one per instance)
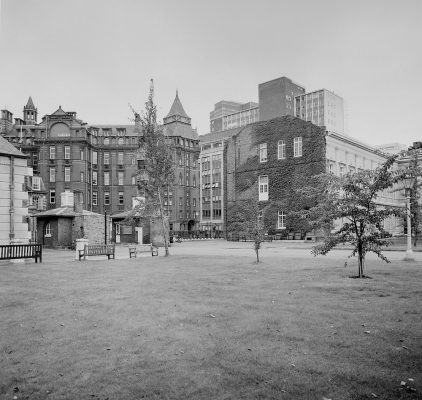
(77, 201)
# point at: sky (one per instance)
(97, 56)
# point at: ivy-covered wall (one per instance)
(285, 175)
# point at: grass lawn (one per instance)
(215, 327)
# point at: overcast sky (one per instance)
(96, 56)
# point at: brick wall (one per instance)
(286, 175)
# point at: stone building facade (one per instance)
(14, 214)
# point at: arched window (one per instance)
(180, 180)
(47, 230)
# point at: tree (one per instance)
(247, 217)
(156, 167)
(349, 211)
(415, 209)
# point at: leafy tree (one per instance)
(156, 169)
(348, 210)
(248, 218)
(415, 208)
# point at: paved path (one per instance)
(220, 247)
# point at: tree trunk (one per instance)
(360, 266)
(257, 246)
(166, 245)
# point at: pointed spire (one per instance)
(177, 108)
(30, 104)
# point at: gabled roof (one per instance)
(66, 212)
(30, 103)
(7, 149)
(177, 108)
(59, 111)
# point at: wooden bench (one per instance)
(15, 251)
(143, 248)
(97, 250)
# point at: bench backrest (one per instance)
(20, 250)
(99, 249)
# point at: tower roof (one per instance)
(177, 108)
(30, 104)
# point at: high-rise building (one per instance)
(276, 98)
(230, 114)
(322, 108)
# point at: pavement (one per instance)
(221, 247)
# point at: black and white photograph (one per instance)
(210, 200)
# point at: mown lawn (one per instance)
(222, 327)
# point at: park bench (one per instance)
(15, 251)
(143, 248)
(97, 250)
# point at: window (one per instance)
(120, 158)
(52, 174)
(180, 180)
(106, 178)
(342, 170)
(94, 198)
(194, 202)
(36, 183)
(281, 149)
(52, 152)
(47, 230)
(263, 188)
(67, 174)
(194, 181)
(180, 201)
(52, 196)
(297, 147)
(106, 198)
(263, 152)
(67, 152)
(281, 222)
(121, 198)
(94, 178)
(106, 141)
(106, 158)
(82, 154)
(94, 157)
(120, 178)
(82, 176)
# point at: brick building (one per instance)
(270, 159)
(276, 98)
(101, 162)
(182, 199)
